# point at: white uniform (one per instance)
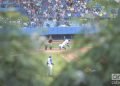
(66, 42)
(50, 65)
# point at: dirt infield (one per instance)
(55, 50)
(68, 55)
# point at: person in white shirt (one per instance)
(50, 65)
(64, 44)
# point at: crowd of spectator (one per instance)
(57, 11)
(7, 3)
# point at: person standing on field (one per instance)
(48, 43)
(50, 65)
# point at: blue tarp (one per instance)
(60, 30)
(63, 30)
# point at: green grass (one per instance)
(59, 64)
(54, 45)
(58, 60)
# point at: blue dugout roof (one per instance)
(63, 30)
(60, 30)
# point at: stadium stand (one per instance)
(51, 15)
(58, 11)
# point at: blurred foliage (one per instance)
(18, 65)
(107, 3)
(109, 6)
(14, 17)
(96, 66)
(79, 20)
